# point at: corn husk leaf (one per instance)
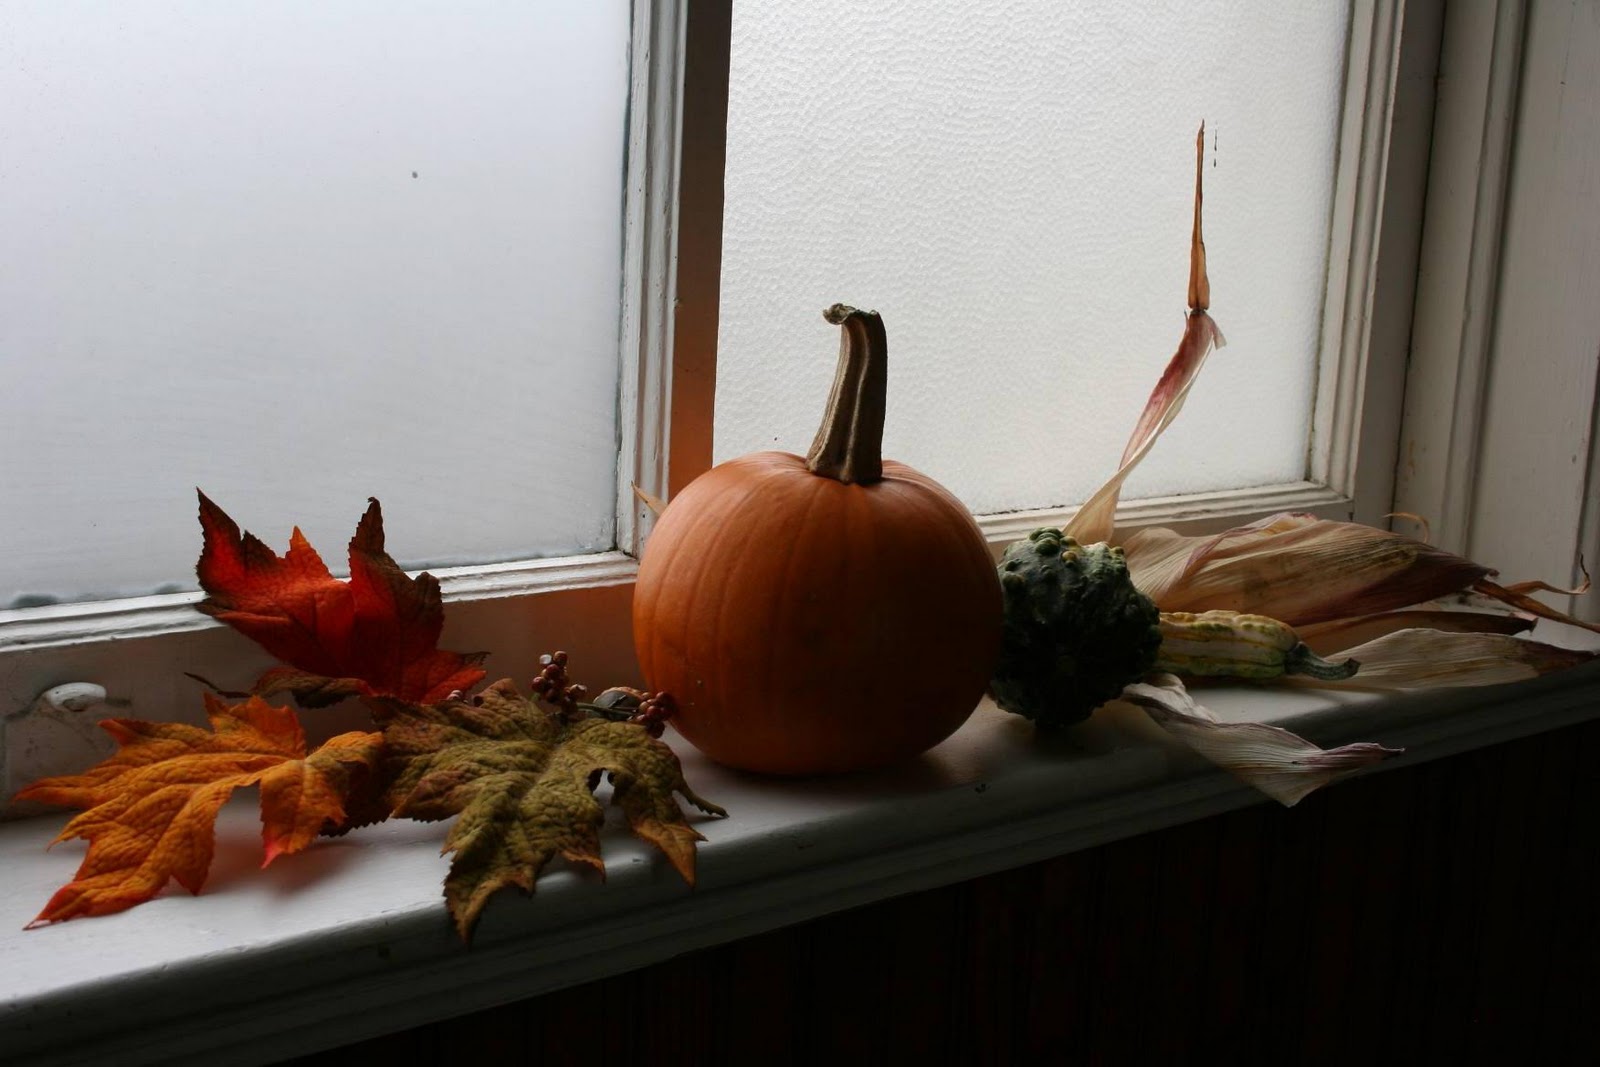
(1335, 582)
(1296, 568)
(1537, 586)
(1327, 638)
(654, 503)
(1094, 521)
(1426, 659)
(1283, 765)
(1513, 596)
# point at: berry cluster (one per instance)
(654, 712)
(618, 704)
(553, 686)
(625, 704)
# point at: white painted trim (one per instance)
(496, 581)
(1373, 247)
(351, 940)
(1453, 326)
(1186, 513)
(68, 625)
(1503, 395)
(673, 253)
(58, 626)
(1540, 367)
(650, 215)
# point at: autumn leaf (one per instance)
(149, 810)
(522, 780)
(375, 635)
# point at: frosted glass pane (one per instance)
(299, 254)
(1011, 190)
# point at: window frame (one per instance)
(1374, 239)
(1454, 314)
(1502, 420)
(672, 269)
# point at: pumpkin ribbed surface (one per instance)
(806, 625)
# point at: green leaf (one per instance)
(521, 779)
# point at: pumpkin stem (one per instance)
(849, 444)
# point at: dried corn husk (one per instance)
(1335, 582)
(1095, 520)
(1283, 765)
(1302, 569)
(654, 503)
(1516, 596)
(1427, 659)
(1325, 638)
(1545, 587)
(1296, 568)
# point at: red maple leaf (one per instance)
(375, 635)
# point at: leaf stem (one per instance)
(611, 714)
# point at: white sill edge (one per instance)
(169, 613)
(350, 940)
(60, 625)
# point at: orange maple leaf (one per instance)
(150, 809)
(375, 635)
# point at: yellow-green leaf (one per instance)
(521, 779)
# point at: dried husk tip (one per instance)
(1095, 521)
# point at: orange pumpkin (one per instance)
(823, 614)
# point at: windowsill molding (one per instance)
(350, 940)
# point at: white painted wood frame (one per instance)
(1500, 446)
(678, 114)
(1479, 76)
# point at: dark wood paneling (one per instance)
(1439, 913)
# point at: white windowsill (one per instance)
(350, 939)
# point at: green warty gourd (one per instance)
(1076, 629)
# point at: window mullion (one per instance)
(1373, 249)
(672, 253)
